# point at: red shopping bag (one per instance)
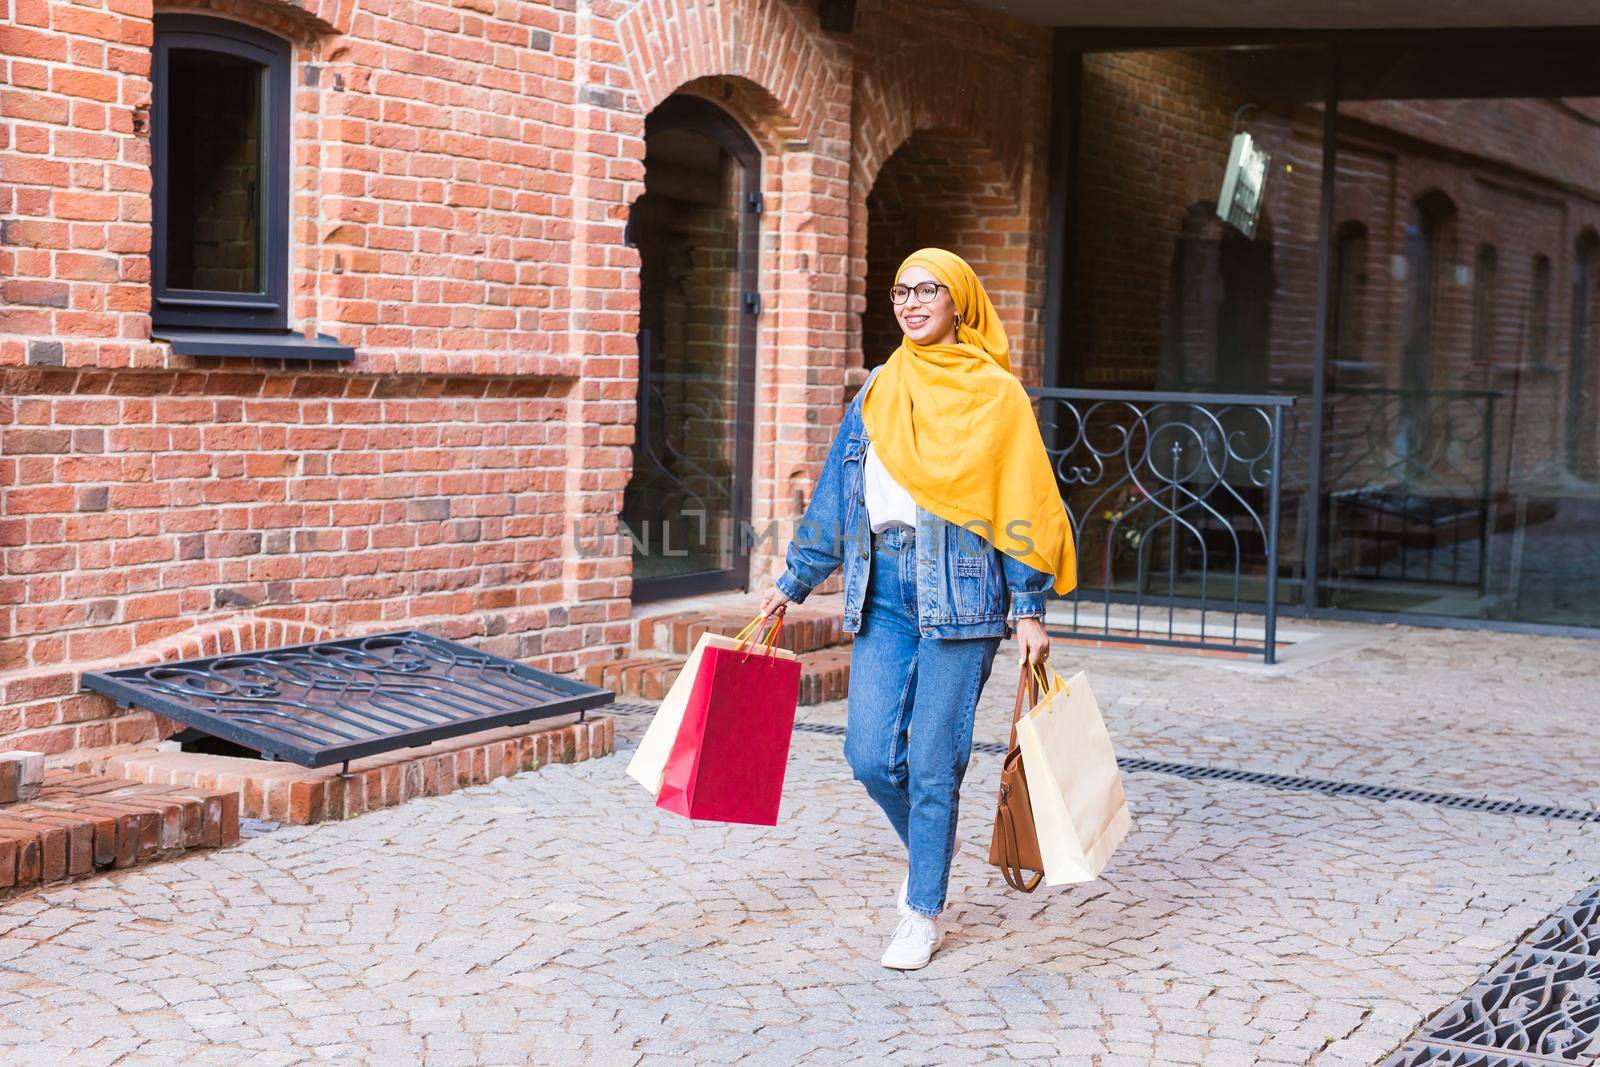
(728, 761)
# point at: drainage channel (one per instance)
(1293, 783)
(1538, 1007)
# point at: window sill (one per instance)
(260, 344)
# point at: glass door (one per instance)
(695, 227)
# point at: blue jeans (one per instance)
(911, 705)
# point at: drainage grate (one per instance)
(1292, 783)
(1433, 1055)
(1359, 789)
(1574, 930)
(336, 701)
(1538, 1006)
(1297, 784)
(624, 707)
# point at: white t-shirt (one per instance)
(888, 502)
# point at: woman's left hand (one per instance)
(1033, 642)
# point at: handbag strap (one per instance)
(1011, 851)
(1027, 682)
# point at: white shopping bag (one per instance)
(1074, 786)
(649, 761)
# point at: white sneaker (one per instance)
(905, 883)
(913, 943)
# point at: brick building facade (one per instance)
(461, 175)
(460, 180)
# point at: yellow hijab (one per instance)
(953, 425)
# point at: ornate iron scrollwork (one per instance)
(1173, 499)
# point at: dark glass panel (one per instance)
(214, 172)
(1460, 472)
(680, 505)
(1172, 296)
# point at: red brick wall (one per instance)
(462, 173)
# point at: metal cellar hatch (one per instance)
(335, 701)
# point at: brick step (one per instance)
(677, 632)
(83, 823)
(824, 675)
(299, 796)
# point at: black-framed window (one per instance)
(220, 164)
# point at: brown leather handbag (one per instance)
(1015, 848)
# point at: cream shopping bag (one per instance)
(1073, 783)
(650, 759)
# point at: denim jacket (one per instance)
(963, 580)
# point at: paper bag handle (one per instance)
(768, 644)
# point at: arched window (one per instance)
(1347, 319)
(1483, 296)
(1427, 252)
(220, 161)
(1539, 311)
(1585, 275)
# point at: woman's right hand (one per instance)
(774, 601)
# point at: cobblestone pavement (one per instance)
(558, 917)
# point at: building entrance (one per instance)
(695, 227)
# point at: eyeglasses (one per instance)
(927, 292)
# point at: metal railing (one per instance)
(1174, 500)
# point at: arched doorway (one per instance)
(939, 188)
(695, 227)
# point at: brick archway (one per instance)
(935, 93)
(669, 44)
(938, 189)
(933, 88)
(802, 229)
(303, 21)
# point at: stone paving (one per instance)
(559, 918)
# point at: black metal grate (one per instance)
(1536, 1004)
(1434, 1055)
(1540, 1005)
(1575, 929)
(1295, 783)
(1361, 790)
(334, 701)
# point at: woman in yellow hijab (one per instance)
(941, 463)
(952, 424)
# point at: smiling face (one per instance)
(933, 323)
